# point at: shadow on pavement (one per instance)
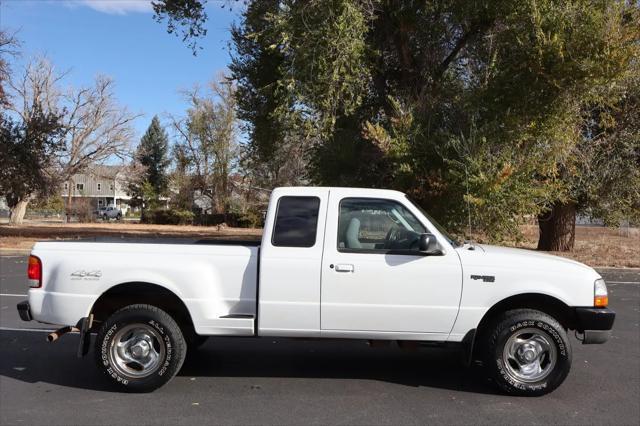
(27, 357)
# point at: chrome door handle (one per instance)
(344, 267)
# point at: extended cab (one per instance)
(333, 263)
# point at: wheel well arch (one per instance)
(130, 293)
(550, 305)
(542, 302)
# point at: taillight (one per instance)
(34, 272)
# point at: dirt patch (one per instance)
(594, 246)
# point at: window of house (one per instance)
(66, 186)
(80, 186)
(377, 225)
(111, 187)
(99, 187)
(296, 222)
(99, 202)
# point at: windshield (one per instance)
(439, 227)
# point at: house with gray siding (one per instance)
(100, 186)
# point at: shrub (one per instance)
(249, 219)
(169, 217)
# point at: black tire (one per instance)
(540, 331)
(105, 217)
(162, 338)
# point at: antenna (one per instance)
(466, 173)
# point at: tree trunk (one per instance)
(67, 210)
(16, 214)
(558, 228)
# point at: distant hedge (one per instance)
(185, 217)
(236, 220)
(169, 217)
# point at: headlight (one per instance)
(600, 295)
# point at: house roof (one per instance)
(104, 171)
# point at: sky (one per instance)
(120, 39)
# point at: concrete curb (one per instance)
(14, 252)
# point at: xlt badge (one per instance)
(485, 278)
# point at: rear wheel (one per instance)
(527, 352)
(140, 347)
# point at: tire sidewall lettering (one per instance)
(106, 344)
(561, 347)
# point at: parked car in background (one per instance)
(109, 212)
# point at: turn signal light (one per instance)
(600, 294)
(34, 272)
(600, 301)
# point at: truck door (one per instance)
(374, 278)
(290, 268)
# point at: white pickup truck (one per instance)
(333, 263)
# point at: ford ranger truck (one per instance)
(333, 263)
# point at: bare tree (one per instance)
(95, 127)
(37, 89)
(208, 137)
(8, 48)
(30, 148)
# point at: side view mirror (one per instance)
(429, 245)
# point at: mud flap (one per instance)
(468, 344)
(84, 325)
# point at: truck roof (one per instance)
(309, 190)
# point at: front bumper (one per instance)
(595, 324)
(24, 310)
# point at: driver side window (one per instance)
(371, 225)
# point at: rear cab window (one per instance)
(296, 222)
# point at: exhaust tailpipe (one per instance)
(52, 337)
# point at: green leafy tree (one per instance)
(207, 140)
(26, 153)
(278, 138)
(152, 154)
(151, 162)
(480, 108)
(181, 177)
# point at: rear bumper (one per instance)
(24, 310)
(595, 324)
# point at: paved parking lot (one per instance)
(257, 381)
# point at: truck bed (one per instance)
(216, 279)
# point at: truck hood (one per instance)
(540, 256)
(510, 271)
(508, 257)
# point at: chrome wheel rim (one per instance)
(136, 350)
(529, 355)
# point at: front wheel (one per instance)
(140, 347)
(527, 352)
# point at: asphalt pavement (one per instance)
(274, 381)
